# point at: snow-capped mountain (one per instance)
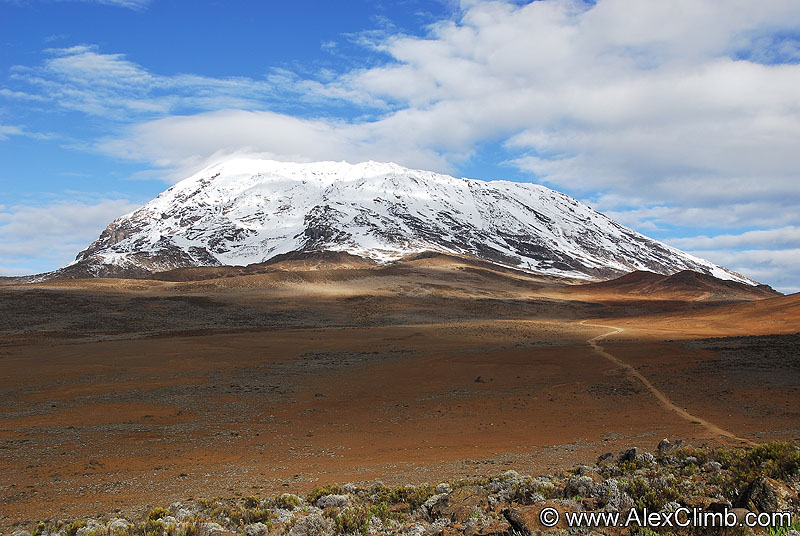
(246, 211)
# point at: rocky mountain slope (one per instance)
(246, 211)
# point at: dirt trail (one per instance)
(715, 430)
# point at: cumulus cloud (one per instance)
(654, 100)
(775, 266)
(756, 214)
(592, 98)
(771, 255)
(188, 142)
(33, 238)
(784, 237)
(660, 112)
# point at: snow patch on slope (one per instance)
(245, 211)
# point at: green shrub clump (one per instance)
(413, 496)
(287, 501)
(353, 520)
(157, 513)
(314, 495)
(779, 460)
(73, 527)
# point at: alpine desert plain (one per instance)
(121, 394)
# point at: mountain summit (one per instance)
(246, 211)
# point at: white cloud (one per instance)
(129, 4)
(82, 78)
(646, 99)
(42, 236)
(784, 237)
(776, 267)
(6, 131)
(9, 130)
(770, 255)
(189, 142)
(663, 112)
(755, 214)
(8, 93)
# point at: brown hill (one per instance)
(779, 314)
(685, 285)
(340, 265)
(295, 261)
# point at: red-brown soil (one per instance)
(122, 394)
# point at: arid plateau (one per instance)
(124, 394)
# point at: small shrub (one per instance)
(311, 525)
(630, 466)
(523, 492)
(353, 520)
(241, 513)
(645, 531)
(157, 513)
(287, 501)
(151, 527)
(73, 527)
(413, 496)
(188, 529)
(779, 460)
(474, 481)
(381, 511)
(682, 453)
(781, 531)
(314, 495)
(207, 503)
(645, 495)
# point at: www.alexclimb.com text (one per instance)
(681, 517)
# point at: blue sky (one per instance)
(680, 119)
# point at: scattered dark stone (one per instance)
(666, 446)
(765, 494)
(590, 504)
(516, 522)
(459, 505)
(471, 509)
(604, 457)
(719, 507)
(629, 455)
(698, 502)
